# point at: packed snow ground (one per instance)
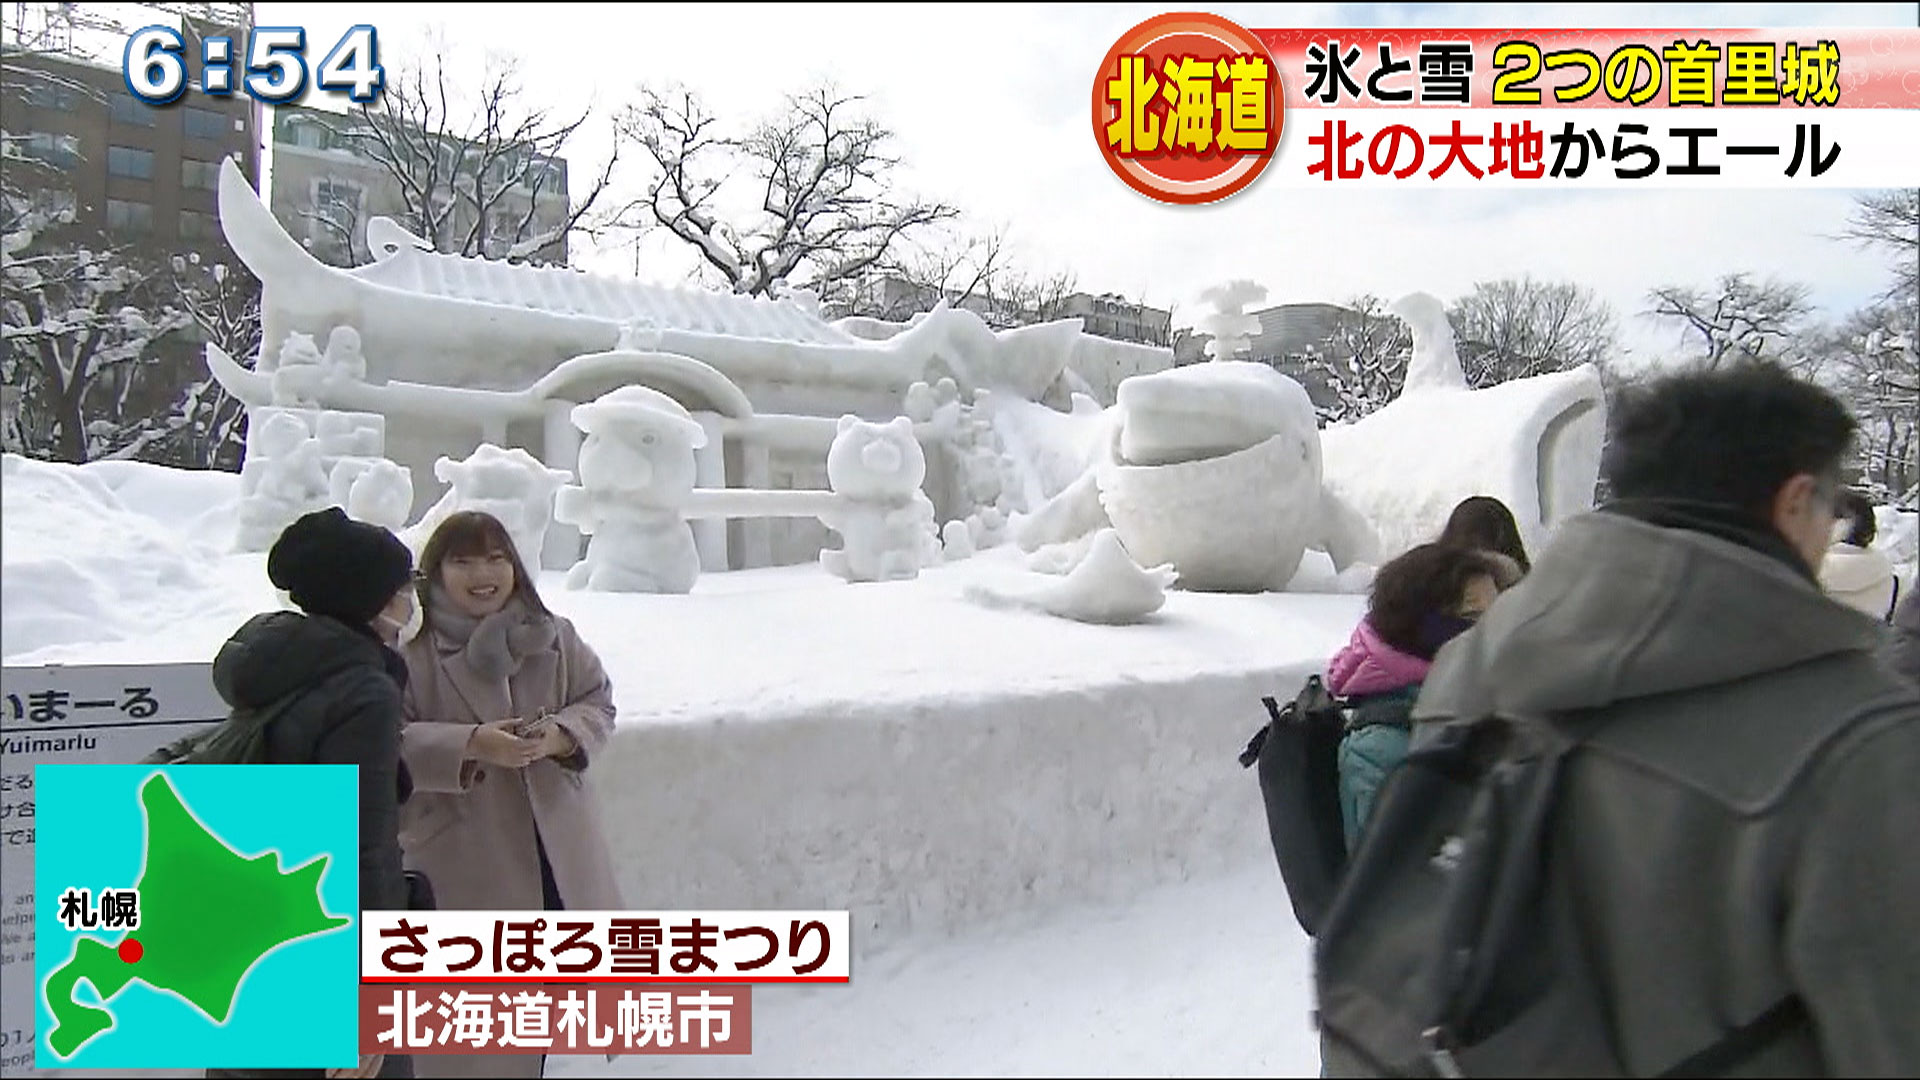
(1208, 978)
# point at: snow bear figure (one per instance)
(512, 485)
(381, 495)
(636, 474)
(284, 479)
(885, 521)
(301, 372)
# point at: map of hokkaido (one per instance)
(245, 953)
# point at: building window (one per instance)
(59, 151)
(196, 225)
(203, 124)
(42, 95)
(336, 205)
(128, 112)
(127, 161)
(200, 175)
(130, 216)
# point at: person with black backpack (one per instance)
(322, 685)
(1657, 814)
(1419, 602)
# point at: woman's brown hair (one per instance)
(474, 534)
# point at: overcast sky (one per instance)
(989, 104)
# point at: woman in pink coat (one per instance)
(506, 708)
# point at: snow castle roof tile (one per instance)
(568, 291)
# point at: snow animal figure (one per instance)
(301, 372)
(636, 474)
(283, 479)
(1106, 587)
(1213, 469)
(885, 521)
(512, 485)
(381, 495)
(1532, 443)
(344, 361)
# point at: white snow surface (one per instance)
(109, 553)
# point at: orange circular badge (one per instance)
(1187, 108)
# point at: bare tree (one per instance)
(1738, 319)
(474, 180)
(1364, 361)
(825, 205)
(1517, 328)
(979, 271)
(1891, 220)
(1868, 359)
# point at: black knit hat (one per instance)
(333, 565)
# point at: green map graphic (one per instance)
(207, 915)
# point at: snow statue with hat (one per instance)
(885, 521)
(636, 474)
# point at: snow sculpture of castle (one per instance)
(465, 351)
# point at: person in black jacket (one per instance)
(332, 670)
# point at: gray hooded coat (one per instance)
(1740, 829)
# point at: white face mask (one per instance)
(403, 632)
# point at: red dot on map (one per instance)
(131, 951)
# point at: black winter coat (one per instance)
(347, 689)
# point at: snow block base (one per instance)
(941, 815)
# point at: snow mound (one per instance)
(135, 570)
(1106, 587)
(196, 503)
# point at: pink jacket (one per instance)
(1369, 665)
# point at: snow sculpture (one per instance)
(884, 520)
(282, 479)
(1532, 443)
(956, 541)
(981, 485)
(512, 485)
(638, 334)
(1435, 365)
(1232, 330)
(344, 361)
(636, 474)
(1214, 469)
(300, 372)
(1107, 586)
(375, 491)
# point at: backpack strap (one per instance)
(1744, 1041)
